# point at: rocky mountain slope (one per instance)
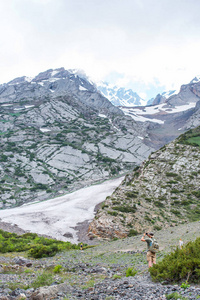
(58, 133)
(162, 192)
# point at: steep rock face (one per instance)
(162, 192)
(58, 134)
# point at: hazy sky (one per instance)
(144, 44)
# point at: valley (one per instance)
(76, 168)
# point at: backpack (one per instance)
(154, 247)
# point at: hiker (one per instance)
(180, 244)
(81, 246)
(151, 253)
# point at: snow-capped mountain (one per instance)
(161, 98)
(119, 96)
(173, 110)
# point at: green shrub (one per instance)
(196, 193)
(159, 204)
(175, 296)
(172, 181)
(43, 251)
(131, 194)
(185, 285)
(36, 246)
(185, 202)
(57, 269)
(148, 199)
(132, 232)
(112, 213)
(3, 158)
(131, 272)
(147, 218)
(176, 212)
(156, 227)
(180, 265)
(170, 174)
(104, 206)
(126, 209)
(175, 191)
(43, 280)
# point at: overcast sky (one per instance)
(149, 45)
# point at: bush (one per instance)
(132, 232)
(159, 204)
(131, 272)
(175, 296)
(157, 227)
(196, 193)
(37, 246)
(180, 265)
(126, 209)
(43, 251)
(104, 206)
(170, 174)
(57, 269)
(112, 213)
(131, 194)
(45, 279)
(185, 285)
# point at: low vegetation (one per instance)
(182, 265)
(36, 246)
(131, 272)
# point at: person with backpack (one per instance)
(152, 247)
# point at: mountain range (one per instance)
(59, 133)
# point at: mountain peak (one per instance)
(120, 96)
(195, 79)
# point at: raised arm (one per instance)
(143, 239)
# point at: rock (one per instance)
(21, 261)
(68, 235)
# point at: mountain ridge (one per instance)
(58, 134)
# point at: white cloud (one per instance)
(149, 41)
